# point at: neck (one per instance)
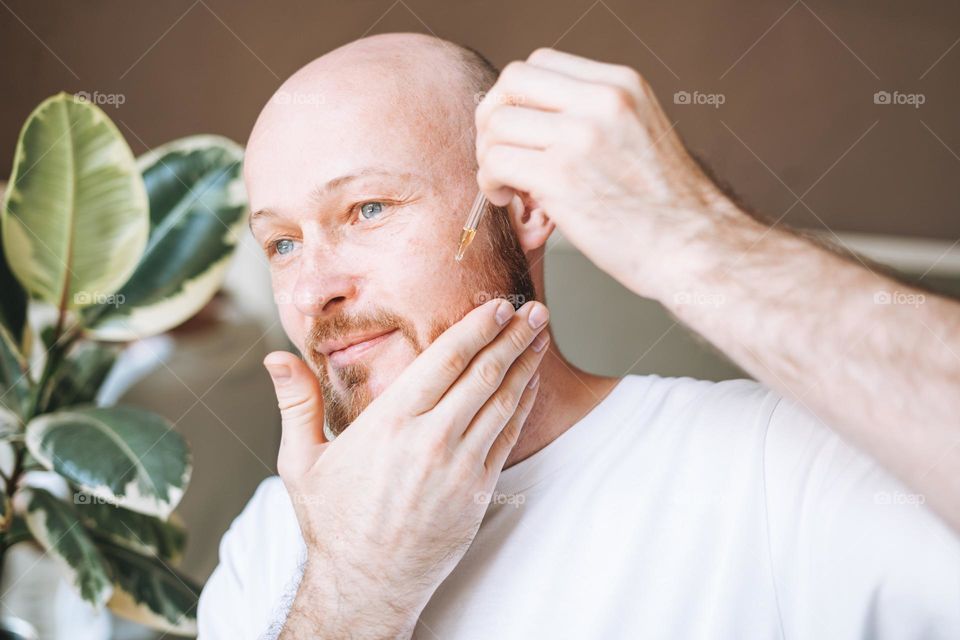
(566, 395)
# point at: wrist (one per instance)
(706, 245)
(341, 603)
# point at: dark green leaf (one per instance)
(78, 380)
(125, 455)
(197, 211)
(56, 526)
(138, 532)
(150, 592)
(13, 299)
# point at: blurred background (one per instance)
(837, 118)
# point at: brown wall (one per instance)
(799, 99)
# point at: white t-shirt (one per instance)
(677, 508)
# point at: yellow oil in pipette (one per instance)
(470, 226)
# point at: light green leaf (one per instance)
(14, 382)
(197, 211)
(138, 532)
(56, 526)
(127, 456)
(148, 591)
(75, 214)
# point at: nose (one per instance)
(323, 288)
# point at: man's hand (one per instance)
(388, 508)
(590, 145)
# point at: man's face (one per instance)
(358, 202)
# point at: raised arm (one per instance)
(876, 360)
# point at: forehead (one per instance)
(310, 133)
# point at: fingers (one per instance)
(532, 88)
(506, 439)
(520, 127)
(500, 410)
(589, 70)
(301, 412)
(423, 383)
(486, 374)
(505, 168)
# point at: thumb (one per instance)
(301, 413)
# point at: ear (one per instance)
(530, 222)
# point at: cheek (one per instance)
(293, 322)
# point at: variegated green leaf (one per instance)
(14, 381)
(13, 299)
(150, 592)
(79, 378)
(138, 532)
(56, 526)
(197, 211)
(75, 213)
(10, 424)
(127, 456)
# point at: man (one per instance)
(641, 507)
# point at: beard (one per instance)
(501, 270)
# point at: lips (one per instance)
(350, 349)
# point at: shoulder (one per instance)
(260, 559)
(691, 395)
(844, 530)
(711, 413)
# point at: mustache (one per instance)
(345, 323)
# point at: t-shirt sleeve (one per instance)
(854, 552)
(238, 600)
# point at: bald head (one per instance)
(417, 83)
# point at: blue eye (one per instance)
(370, 210)
(283, 247)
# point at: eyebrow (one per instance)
(318, 192)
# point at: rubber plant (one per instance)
(122, 249)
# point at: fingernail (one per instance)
(540, 342)
(538, 316)
(534, 381)
(504, 312)
(279, 372)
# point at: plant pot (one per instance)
(16, 629)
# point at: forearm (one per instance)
(876, 360)
(326, 608)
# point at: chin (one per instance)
(374, 374)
